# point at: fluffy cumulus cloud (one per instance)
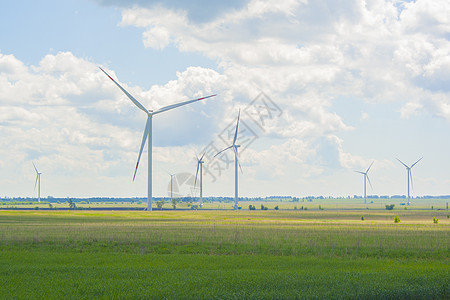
(306, 53)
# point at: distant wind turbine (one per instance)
(38, 182)
(148, 133)
(366, 178)
(236, 162)
(200, 167)
(409, 175)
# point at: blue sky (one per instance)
(355, 82)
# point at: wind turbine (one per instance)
(236, 162)
(200, 166)
(409, 174)
(148, 133)
(366, 178)
(38, 180)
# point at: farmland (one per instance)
(224, 254)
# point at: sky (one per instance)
(324, 87)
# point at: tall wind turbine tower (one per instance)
(366, 178)
(409, 175)
(37, 182)
(200, 167)
(171, 186)
(236, 162)
(148, 133)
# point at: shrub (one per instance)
(435, 220)
(251, 207)
(276, 207)
(263, 207)
(295, 207)
(160, 204)
(362, 218)
(390, 206)
(396, 219)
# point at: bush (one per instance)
(276, 207)
(251, 207)
(435, 220)
(263, 207)
(160, 204)
(396, 219)
(390, 206)
(362, 218)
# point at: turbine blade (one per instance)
(144, 139)
(169, 107)
(196, 174)
(402, 163)
(416, 162)
(128, 94)
(410, 175)
(35, 183)
(237, 125)
(202, 156)
(237, 158)
(370, 167)
(222, 150)
(368, 179)
(35, 167)
(360, 172)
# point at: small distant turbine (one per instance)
(200, 167)
(148, 133)
(366, 178)
(38, 182)
(236, 162)
(409, 175)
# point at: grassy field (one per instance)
(334, 203)
(224, 254)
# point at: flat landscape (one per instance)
(223, 254)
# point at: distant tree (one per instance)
(72, 204)
(276, 207)
(160, 204)
(362, 218)
(435, 220)
(390, 206)
(174, 203)
(396, 219)
(251, 207)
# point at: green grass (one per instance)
(224, 254)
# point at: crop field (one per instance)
(223, 254)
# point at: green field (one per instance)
(225, 254)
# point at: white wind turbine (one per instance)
(366, 178)
(409, 174)
(200, 167)
(148, 133)
(236, 162)
(38, 182)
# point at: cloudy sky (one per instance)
(324, 88)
